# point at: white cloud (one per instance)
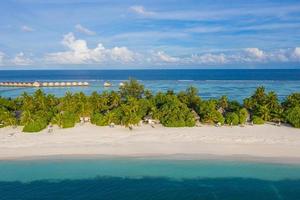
(21, 59)
(163, 57)
(141, 11)
(84, 30)
(79, 53)
(25, 28)
(208, 58)
(255, 53)
(296, 54)
(2, 56)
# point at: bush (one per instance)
(232, 119)
(68, 120)
(174, 113)
(293, 116)
(257, 120)
(243, 115)
(35, 126)
(99, 119)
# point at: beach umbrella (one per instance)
(56, 84)
(45, 84)
(68, 83)
(85, 83)
(80, 83)
(50, 84)
(121, 84)
(62, 84)
(74, 83)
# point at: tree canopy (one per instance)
(132, 103)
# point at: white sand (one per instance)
(263, 142)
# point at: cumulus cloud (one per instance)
(78, 52)
(25, 28)
(255, 53)
(84, 30)
(21, 59)
(141, 10)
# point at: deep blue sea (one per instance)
(236, 84)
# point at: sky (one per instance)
(107, 34)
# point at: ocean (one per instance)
(138, 178)
(236, 84)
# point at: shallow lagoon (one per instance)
(138, 178)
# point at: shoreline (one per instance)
(172, 157)
(261, 143)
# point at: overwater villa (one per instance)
(42, 84)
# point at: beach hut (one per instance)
(36, 84)
(62, 84)
(68, 83)
(107, 84)
(74, 84)
(50, 84)
(85, 83)
(45, 84)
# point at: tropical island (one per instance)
(261, 126)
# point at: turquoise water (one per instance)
(237, 84)
(137, 178)
(237, 90)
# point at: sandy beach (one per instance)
(265, 142)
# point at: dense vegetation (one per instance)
(132, 104)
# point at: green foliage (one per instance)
(232, 119)
(209, 114)
(99, 119)
(172, 112)
(291, 101)
(243, 115)
(293, 116)
(265, 106)
(257, 120)
(7, 118)
(65, 119)
(132, 88)
(132, 103)
(35, 126)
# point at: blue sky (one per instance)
(149, 34)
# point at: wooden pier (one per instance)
(43, 84)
